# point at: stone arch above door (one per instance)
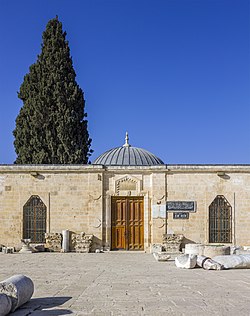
(127, 186)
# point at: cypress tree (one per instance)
(51, 127)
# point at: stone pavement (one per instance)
(125, 283)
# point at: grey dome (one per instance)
(127, 155)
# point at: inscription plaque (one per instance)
(127, 185)
(188, 206)
(180, 215)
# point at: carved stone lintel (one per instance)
(127, 186)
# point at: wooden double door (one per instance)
(127, 223)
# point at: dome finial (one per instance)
(126, 141)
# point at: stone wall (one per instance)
(78, 198)
(202, 184)
(72, 195)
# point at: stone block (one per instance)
(172, 242)
(194, 249)
(155, 248)
(161, 256)
(186, 261)
(213, 250)
(6, 250)
(82, 242)
(53, 241)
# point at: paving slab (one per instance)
(125, 283)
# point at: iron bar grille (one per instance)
(34, 220)
(220, 221)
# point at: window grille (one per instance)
(220, 221)
(34, 220)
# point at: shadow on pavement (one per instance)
(40, 306)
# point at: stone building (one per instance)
(128, 199)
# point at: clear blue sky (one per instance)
(175, 74)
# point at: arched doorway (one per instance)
(34, 220)
(220, 221)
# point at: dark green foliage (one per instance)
(51, 127)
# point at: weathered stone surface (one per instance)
(186, 261)
(79, 195)
(65, 240)
(155, 248)
(26, 246)
(161, 256)
(6, 250)
(194, 249)
(207, 250)
(38, 247)
(126, 283)
(82, 242)
(172, 242)
(19, 288)
(5, 304)
(234, 261)
(212, 251)
(53, 241)
(208, 264)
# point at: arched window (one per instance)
(220, 221)
(34, 220)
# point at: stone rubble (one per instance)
(172, 242)
(208, 264)
(82, 242)
(161, 256)
(53, 242)
(207, 250)
(186, 261)
(234, 261)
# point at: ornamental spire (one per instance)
(126, 141)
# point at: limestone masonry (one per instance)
(126, 207)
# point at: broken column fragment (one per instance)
(18, 288)
(234, 261)
(186, 261)
(208, 264)
(206, 250)
(5, 304)
(65, 240)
